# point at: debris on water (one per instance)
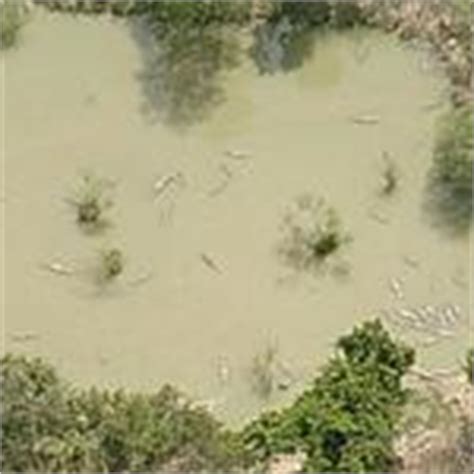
(434, 322)
(58, 268)
(411, 261)
(141, 279)
(366, 119)
(396, 288)
(380, 218)
(210, 263)
(166, 181)
(26, 337)
(237, 154)
(223, 370)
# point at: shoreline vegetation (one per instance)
(369, 409)
(360, 413)
(444, 25)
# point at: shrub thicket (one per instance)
(49, 427)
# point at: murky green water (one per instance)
(75, 100)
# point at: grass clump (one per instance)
(450, 184)
(91, 203)
(12, 18)
(313, 234)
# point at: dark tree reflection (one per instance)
(183, 68)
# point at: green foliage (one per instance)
(346, 421)
(304, 14)
(12, 19)
(49, 427)
(452, 172)
(347, 14)
(469, 366)
(165, 15)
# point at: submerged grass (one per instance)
(12, 18)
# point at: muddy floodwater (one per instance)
(204, 289)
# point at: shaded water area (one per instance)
(204, 288)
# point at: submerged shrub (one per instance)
(313, 233)
(451, 176)
(12, 18)
(346, 421)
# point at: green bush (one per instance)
(346, 421)
(452, 172)
(49, 427)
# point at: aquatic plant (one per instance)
(111, 264)
(92, 201)
(451, 176)
(313, 232)
(390, 176)
(12, 18)
(263, 371)
(469, 366)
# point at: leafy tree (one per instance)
(346, 421)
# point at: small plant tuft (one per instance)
(112, 263)
(92, 202)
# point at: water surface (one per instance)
(74, 101)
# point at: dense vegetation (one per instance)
(50, 427)
(452, 173)
(344, 422)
